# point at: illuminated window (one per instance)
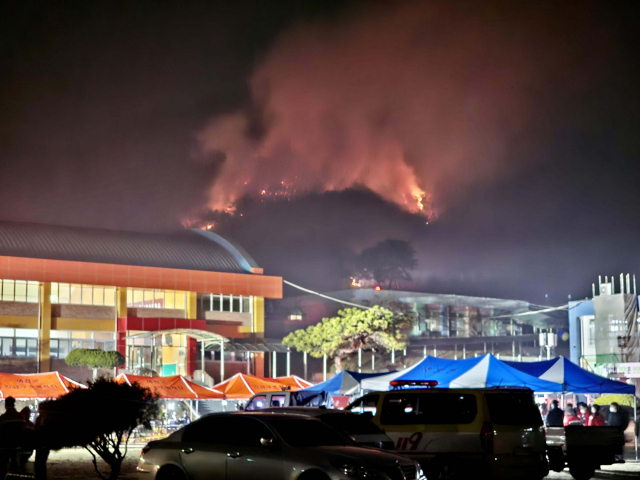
(76, 294)
(64, 293)
(148, 298)
(19, 291)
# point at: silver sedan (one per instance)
(267, 446)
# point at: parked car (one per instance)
(358, 428)
(494, 432)
(267, 446)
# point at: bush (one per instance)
(94, 358)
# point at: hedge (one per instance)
(94, 358)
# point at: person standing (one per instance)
(570, 418)
(555, 417)
(617, 417)
(583, 413)
(596, 419)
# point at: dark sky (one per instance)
(518, 121)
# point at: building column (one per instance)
(121, 325)
(258, 316)
(192, 306)
(44, 329)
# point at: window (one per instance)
(278, 400)
(19, 291)
(26, 347)
(316, 433)
(210, 302)
(368, 403)
(295, 317)
(148, 298)
(513, 408)
(62, 341)
(429, 408)
(257, 403)
(73, 294)
(6, 347)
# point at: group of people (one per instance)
(19, 437)
(17, 434)
(585, 415)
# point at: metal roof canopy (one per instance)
(183, 249)
(248, 347)
(208, 338)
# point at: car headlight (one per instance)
(420, 474)
(356, 471)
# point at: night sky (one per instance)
(516, 124)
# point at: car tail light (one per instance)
(486, 436)
(145, 450)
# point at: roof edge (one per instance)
(239, 254)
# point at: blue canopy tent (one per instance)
(577, 380)
(344, 383)
(479, 372)
(572, 378)
(422, 370)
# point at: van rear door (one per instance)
(515, 422)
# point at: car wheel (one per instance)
(313, 475)
(582, 472)
(170, 472)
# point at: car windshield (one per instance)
(307, 433)
(351, 424)
(513, 408)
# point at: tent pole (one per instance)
(393, 355)
(275, 365)
(635, 419)
(304, 364)
(464, 350)
(373, 359)
(222, 360)
(424, 352)
(324, 367)
(202, 357)
(288, 362)
(360, 360)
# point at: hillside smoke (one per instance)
(414, 102)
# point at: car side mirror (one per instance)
(266, 442)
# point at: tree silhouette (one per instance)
(100, 419)
(387, 261)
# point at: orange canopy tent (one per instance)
(175, 387)
(296, 383)
(35, 385)
(242, 385)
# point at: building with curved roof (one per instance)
(67, 287)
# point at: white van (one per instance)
(490, 433)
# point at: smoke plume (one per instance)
(415, 102)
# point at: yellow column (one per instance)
(121, 302)
(258, 316)
(192, 305)
(44, 329)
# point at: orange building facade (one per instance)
(63, 288)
